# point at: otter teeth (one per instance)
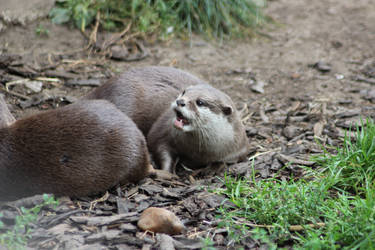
(180, 121)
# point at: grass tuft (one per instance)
(352, 169)
(215, 18)
(340, 199)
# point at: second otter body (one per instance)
(77, 150)
(144, 93)
(201, 127)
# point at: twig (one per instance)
(263, 114)
(115, 38)
(101, 199)
(293, 228)
(15, 94)
(262, 153)
(286, 158)
(92, 38)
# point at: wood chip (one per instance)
(290, 159)
(105, 220)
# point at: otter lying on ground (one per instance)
(77, 150)
(201, 127)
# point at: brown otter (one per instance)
(77, 150)
(144, 93)
(202, 126)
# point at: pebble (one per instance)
(160, 220)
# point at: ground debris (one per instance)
(322, 66)
(105, 220)
(160, 220)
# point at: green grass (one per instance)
(353, 167)
(341, 195)
(17, 237)
(215, 18)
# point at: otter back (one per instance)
(77, 150)
(144, 93)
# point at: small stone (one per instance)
(339, 76)
(128, 228)
(160, 220)
(291, 131)
(34, 86)
(165, 242)
(219, 239)
(258, 87)
(119, 52)
(322, 66)
(369, 95)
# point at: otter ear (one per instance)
(227, 110)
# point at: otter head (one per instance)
(202, 108)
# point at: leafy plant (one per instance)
(16, 238)
(216, 18)
(41, 30)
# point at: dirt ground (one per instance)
(310, 75)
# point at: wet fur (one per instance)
(77, 150)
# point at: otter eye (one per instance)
(199, 102)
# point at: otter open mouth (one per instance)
(180, 121)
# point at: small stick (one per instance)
(101, 199)
(115, 38)
(92, 38)
(15, 94)
(294, 228)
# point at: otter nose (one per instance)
(180, 102)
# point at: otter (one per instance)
(77, 150)
(144, 93)
(202, 126)
(214, 133)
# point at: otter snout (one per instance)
(180, 102)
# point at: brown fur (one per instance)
(80, 149)
(217, 132)
(144, 93)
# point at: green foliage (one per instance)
(208, 244)
(341, 195)
(41, 30)
(216, 18)
(353, 167)
(274, 202)
(16, 238)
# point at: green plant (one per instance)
(273, 204)
(16, 238)
(41, 30)
(352, 169)
(216, 18)
(334, 210)
(208, 244)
